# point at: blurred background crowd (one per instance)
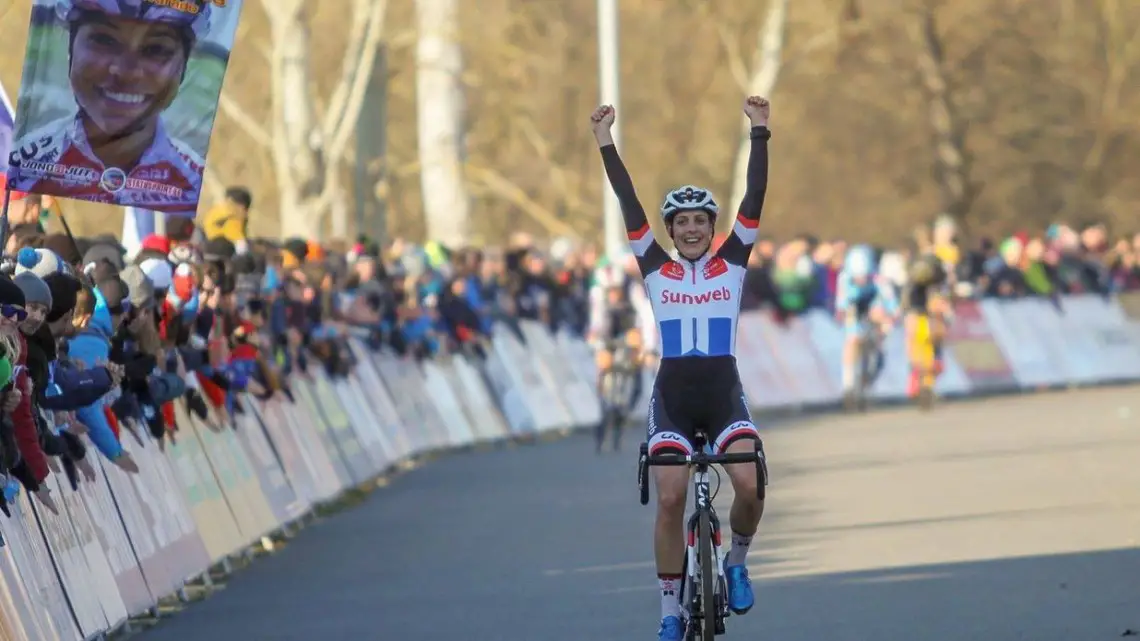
(99, 338)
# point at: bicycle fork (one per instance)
(690, 591)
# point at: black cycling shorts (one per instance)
(698, 394)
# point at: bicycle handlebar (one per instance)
(701, 458)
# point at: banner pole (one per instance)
(14, 171)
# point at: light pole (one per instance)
(609, 76)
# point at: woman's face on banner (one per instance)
(124, 72)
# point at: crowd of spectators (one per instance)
(101, 339)
(802, 274)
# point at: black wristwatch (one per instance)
(760, 131)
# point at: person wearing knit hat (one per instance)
(37, 300)
(40, 262)
(11, 301)
(156, 245)
(160, 273)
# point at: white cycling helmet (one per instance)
(688, 198)
(860, 262)
(196, 21)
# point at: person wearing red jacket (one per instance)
(33, 468)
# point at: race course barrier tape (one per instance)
(123, 542)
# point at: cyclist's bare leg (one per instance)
(672, 485)
(747, 508)
(850, 353)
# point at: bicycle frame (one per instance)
(700, 462)
(702, 503)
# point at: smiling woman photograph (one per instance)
(141, 79)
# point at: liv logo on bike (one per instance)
(118, 99)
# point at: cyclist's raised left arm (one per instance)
(739, 244)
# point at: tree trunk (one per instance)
(761, 82)
(951, 163)
(439, 97)
(307, 150)
(299, 166)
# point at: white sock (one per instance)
(738, 553)
(848, 378)
(670, 595)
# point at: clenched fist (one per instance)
(757, 109)
(601, 121)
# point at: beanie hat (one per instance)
(156, 243)
(34, 288)
(64, 294)
(141, 289)
(158, 271)
(40, 262)
(10, 294)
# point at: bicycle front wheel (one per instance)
(709, 610)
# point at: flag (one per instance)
(118, 99)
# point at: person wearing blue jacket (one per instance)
(92, 347)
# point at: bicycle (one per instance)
(704, 592)
(618, 387)
(867, 362)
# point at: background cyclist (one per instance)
(615, 334)
(863, 303)
(696, 301)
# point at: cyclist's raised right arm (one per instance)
(650, 255)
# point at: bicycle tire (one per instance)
(709, 611)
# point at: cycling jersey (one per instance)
(862, 297)
(58, 160)
(696, 305)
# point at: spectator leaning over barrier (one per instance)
(32, 469)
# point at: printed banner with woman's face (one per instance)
(118, 99)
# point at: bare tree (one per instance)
(309, 145)
(947, 129)
(759, 80)
(439, 95)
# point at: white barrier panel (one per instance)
(125, 541)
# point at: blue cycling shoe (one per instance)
(671, 629)
(740, 597)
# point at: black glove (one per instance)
(197, 404)
(140, 367)
(221, 380)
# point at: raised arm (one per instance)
(650, 255)
(739, 245)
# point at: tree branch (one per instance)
(496, 184)
(736, 65)
(248, 123)
(359, 86)
(349, 63)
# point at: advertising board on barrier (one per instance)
(977, 351)
(121, 543)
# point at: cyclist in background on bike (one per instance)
(696, 302)
(615, 335)
(926, 315)
(864, 303)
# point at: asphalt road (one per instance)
(1002, 519)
